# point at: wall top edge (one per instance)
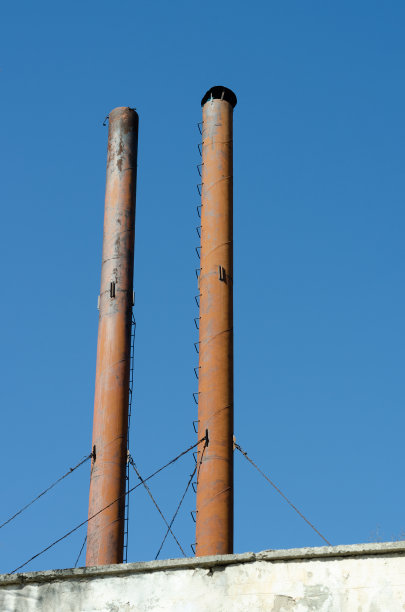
(291, 554)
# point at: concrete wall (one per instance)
(360, 578)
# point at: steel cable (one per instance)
(108, 506)
(175, 514)
(132, 462)
(78, 556)
(185, 492)
(71, 470)
(281, 493)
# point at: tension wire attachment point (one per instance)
(206, 443)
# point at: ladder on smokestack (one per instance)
(131, 384)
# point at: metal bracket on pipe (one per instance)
(194, 427)
(199, 166)
(196, 346)
(200, 148)
(192, 513)
(196, 394)
(199, 186)
(198, 230)
(197, 300)
(192, 546)
(105, 120)
(199, 210)
(222, 274)
(112, 289)
(195, 371)
(194, 486)
(195, 322)
(199, 125)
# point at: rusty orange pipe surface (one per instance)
(214, 518)
(105, 533)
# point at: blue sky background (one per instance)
(319, 260)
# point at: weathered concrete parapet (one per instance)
(356, 578)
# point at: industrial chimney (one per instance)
(105, 533)
(214, 518)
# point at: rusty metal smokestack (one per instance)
(214, 529)
(105, 533)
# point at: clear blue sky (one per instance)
(319, 260)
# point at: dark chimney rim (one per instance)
(219, 92)
(122, 109)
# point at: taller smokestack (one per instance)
(105, 533)
(214, 529)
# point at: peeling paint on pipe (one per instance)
(214, 519)
(105, 533)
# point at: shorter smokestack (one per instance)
(105, 533)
